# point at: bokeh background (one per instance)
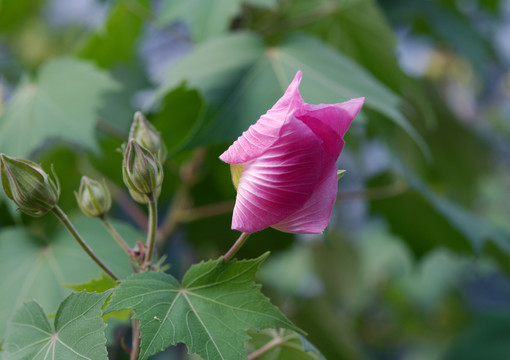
(415, 262)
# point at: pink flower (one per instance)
(284, 166)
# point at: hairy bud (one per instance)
(146, 135)
(93, 197)
(142, 172)
(26, 183)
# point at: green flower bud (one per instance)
(142, 172)
(93, 197)
(142, 198)
(26, 183)
(146, 135)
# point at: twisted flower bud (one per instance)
(142, 172)
(26, 183)
(146, 135)
(93, 197)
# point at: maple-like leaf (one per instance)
(210, 312)
(78, 332)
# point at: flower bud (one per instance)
(142, 172)
(142, 198)
(146, 135)
(26, 183)
(93, 197)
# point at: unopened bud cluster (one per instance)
(33, 190)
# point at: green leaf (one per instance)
(241, 79)
(368, 39)
(210, 312)
(441, 223)
(206, 19)
(78, 331)
(284, 345)
(101, 284)
(62, 102)
(179, 118)
(448, 24)
(484, 338)
(117, 113)
(117, 41)
(35, 269)
(14, 13)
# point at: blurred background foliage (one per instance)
(415, 262)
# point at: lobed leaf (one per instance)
(33, 269)
(78, 331)
(210, 312)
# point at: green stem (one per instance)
(72, 230)
(235, 248)
(151, 234)
(122, 243)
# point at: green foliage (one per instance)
(210, 312)
(447, 24)
(357, 28)
(208, 19)
(47, 107)
(454, 227)
(100, 284)
(13, 13)
(285, 345)
(35, 269)
(385, 288)
(78, 332)
(116, 42)
(179, 118)
(241, 78)
(486, 339)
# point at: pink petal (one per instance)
(330, 122)
(314, 216)
(279, 181)
(260, 136)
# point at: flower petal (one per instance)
(279, 181)
(314, 216)
(261, 135)
(330, 122)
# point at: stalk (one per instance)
(237, 245)
(72, 230)
(135, 349)
(151, 234)
(114, 233)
